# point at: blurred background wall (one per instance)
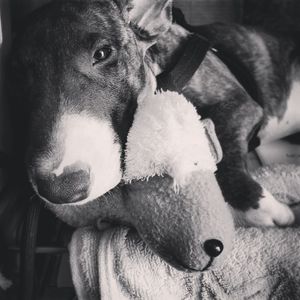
(5, 39)
(206, 11)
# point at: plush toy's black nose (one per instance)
(213, 248)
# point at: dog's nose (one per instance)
(213, 247)
(71, 185)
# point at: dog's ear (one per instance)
(148, 18)
(151, 17)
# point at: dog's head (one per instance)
(83, 66)
(80, 68)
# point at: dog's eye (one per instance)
(102, 54)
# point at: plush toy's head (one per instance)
(170, 194)
(182, 216)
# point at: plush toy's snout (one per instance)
(191, 229)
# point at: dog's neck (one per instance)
(165, 53)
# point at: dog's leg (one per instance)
(269, 207)
(270, 213)
(234, 123)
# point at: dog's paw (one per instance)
(270, 212)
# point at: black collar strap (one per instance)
(178, 77)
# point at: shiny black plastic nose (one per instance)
(213, 248)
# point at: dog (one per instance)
(79, 69)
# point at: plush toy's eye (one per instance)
(102, 54)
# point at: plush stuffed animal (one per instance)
(263, 264)
(170, 194)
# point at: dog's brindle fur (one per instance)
(75, 101)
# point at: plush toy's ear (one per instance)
(214, 143)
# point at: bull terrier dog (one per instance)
(79, 69)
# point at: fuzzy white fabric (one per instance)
(167, 137)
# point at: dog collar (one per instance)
(193, 55)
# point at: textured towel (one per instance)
(265, 264)
(127, 268)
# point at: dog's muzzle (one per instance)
(81, 161)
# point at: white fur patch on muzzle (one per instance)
(90, 142)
